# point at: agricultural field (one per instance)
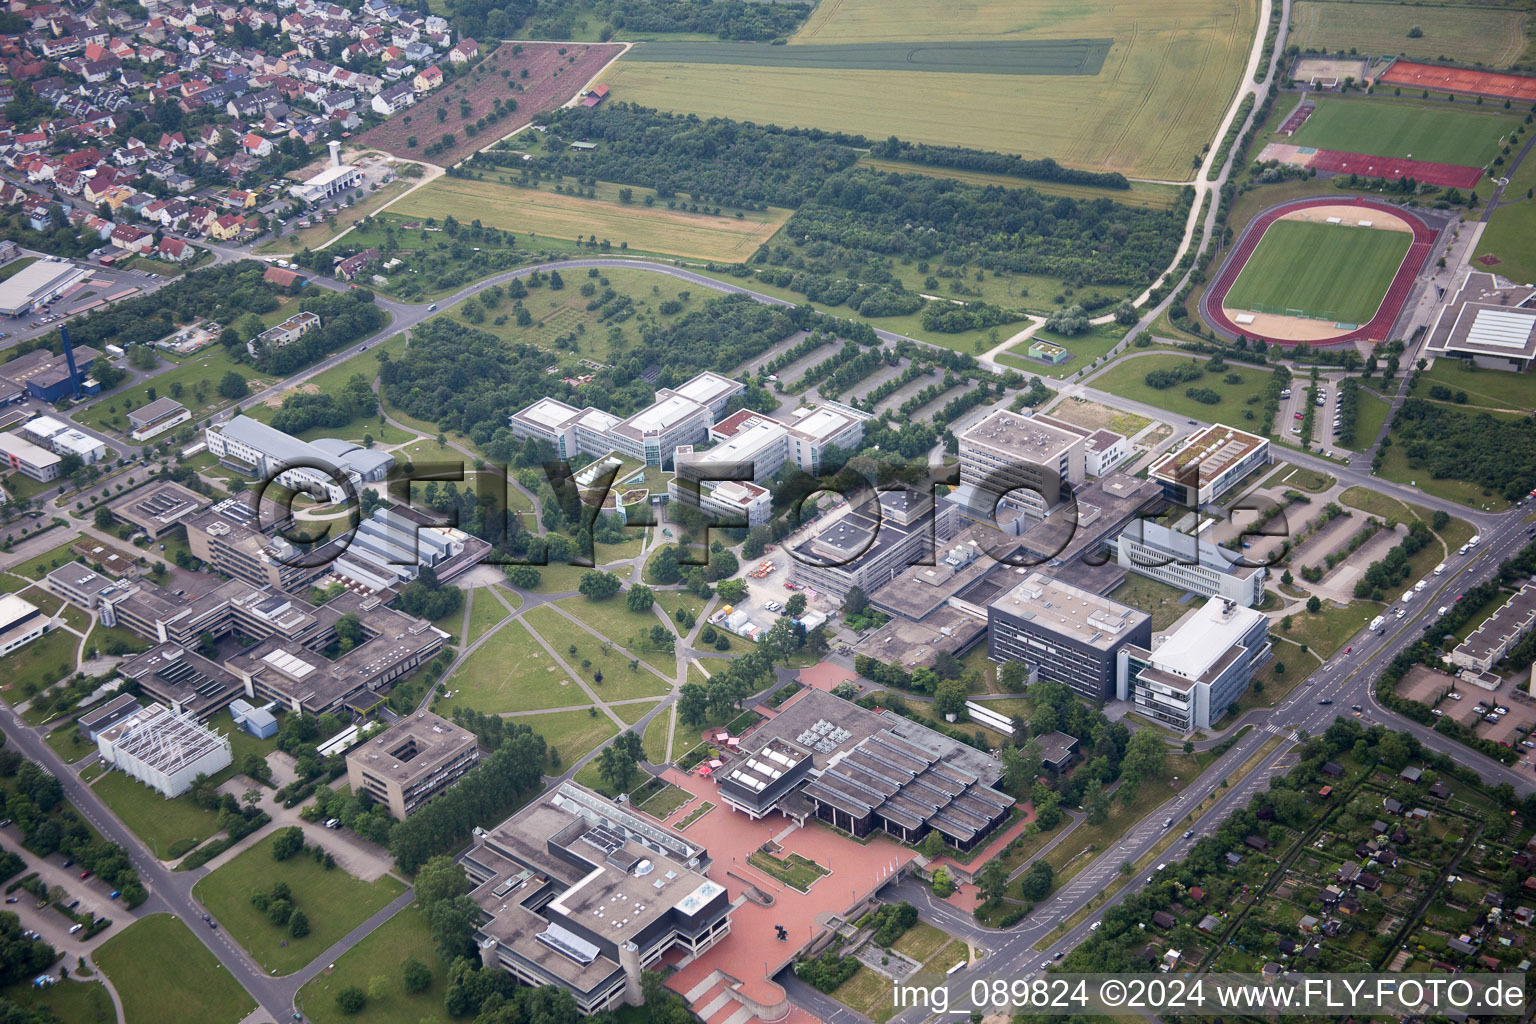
(546, 214)
(164, 974)
(1324, 270)
(1457, 133)
(556, 72)
(1169, 75)
(1468, 35)
(980, 57)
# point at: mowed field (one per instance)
(1449, 133)
(1471, 35)
(1324, 270)
(1170, 73)
(530, 211)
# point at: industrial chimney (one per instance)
(69, 357)
(335, 153)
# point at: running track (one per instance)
(1386, 315)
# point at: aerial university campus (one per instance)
(767, 511)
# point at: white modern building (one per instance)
(21, 622)
(315, 467)
(1024, 462)
(1209, 464)
(36, 284)
(1189, 562)
(164, 750)
(1502, 630)
(726, 501)
(63, 439)
(829, 425)
(24, 457)
(334, 180)
(1191, 676)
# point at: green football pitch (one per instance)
(1329, 271)
(1447, 133)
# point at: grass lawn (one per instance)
(1325, 632)
(1298, 477)
(1370, 416)
(1491, 389)
(557, 578)
(573, 733)
(1326, 270)
(39, 566)
(665, 802)
(198, 375)
(1158, 599)
(538, 213)
(66, 742)
(619, 681)
(627, 629)
(72, 1002)
(1086, 348)
(654, 742)
(1375, 503)
(672, 600)
(334, 901)
(405, 935)
(1471, 35)
(1084, 842)
(1452, 133)
(484, 612)
(164, 974)
(1127, 377)
(632, 713)
(510, 672)
(1511, 238)
(793, 870)
(241, 742)
(161, 823)
(41, 663)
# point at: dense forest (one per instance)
(1499, 455)
(725, 19)
(1082, 241)
(734, 163)
(1010, 164)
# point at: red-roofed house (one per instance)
(227, 227)
(464, 52)
(429, 79)
(126, 236)
(256, 145)
(175, 250)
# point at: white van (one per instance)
(1439, 568)
(1462, 550)
(1419, 586)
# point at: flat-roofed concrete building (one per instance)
(411, 762)
(866, 545)
(156, 418)
(182, 680)
(63, 439)
(1064, 633)
(551, 421)
(28, 459)
(1506, 627)
(159, 508)
(252, 447)
(726, 501)
(653, 434)
(231, 536)
(103, 717)
(828, 425)
(1191, 676)
(1209, 464)
(79, 584)
(1022, 461)
(709, 389)
(1190, 562)
(864, 772)
(584, 894)
(21, 622)
(163, 750)
(1103, 450)
(744, 438)
(1494, 326)
(36, 284)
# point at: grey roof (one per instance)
(156, 410)
(283, 447)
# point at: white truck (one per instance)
(1475, 541)
(1377, 623)
(1439, 568)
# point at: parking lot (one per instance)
(1506, 715)
(1294, 408)
(766, 595)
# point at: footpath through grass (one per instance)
(164, 975)
(333, 901)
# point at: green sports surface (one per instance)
(1446, 133)
(1328, 271)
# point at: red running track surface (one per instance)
(1446, 175)
(1386, 313)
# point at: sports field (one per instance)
(994, 57)
(1440, 133)
(1323, 270)
(1169, 75)
(1471, 35)
(529, 211)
